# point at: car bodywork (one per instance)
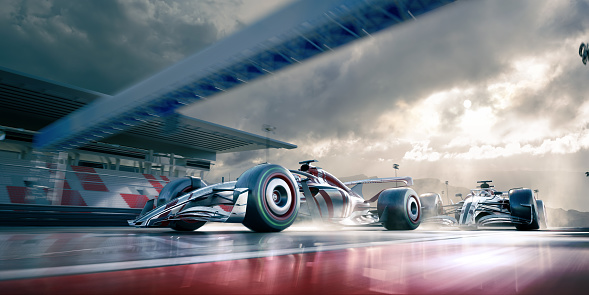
(584, 52)
(486, 206)
(268, 197)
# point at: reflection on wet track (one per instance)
(231, 259)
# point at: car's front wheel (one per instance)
(523, 208)
(273, 201)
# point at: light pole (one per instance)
(396, 167)
(447, 193)
(268, 128)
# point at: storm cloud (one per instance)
(108, 45)
(400, 97)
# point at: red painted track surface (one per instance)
(501, 262)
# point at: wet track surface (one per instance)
(229, 259)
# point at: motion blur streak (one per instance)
(503, 262)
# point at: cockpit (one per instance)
(486, 193)
(305, 165)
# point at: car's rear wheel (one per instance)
(523, 207)
(273, 200)
(399, 209)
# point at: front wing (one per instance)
(224, 203)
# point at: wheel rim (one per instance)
(413, 208)
(278, 197)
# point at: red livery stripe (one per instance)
(345, 203)
(328, 202)
(226, 208)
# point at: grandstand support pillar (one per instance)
(179, 171)
(70, 158)
(172, 165)
(24, 153)
(58, 178)
(149, 159)
(118, 164)
(108, 163)
(76, 159)
(38, 181)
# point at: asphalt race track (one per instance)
(229, 259)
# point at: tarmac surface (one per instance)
(230, 259)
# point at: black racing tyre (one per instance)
(542, 220)
(399, 209)
(584, 52)
(431, 204)
(177, 187)
(173, 190)
(522, 205)
(181, 225)
(273, 200)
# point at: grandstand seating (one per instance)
(82, 186)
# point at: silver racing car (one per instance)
(268, 197)
(485, 206)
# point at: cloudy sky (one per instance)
(476, 90)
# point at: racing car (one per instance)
(584, 52)
(485, 206)
(268, 197)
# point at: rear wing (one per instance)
(407, 180)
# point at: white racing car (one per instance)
(267, 198)
(486, 206)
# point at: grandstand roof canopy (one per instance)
(293, 34)
(31, 103)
